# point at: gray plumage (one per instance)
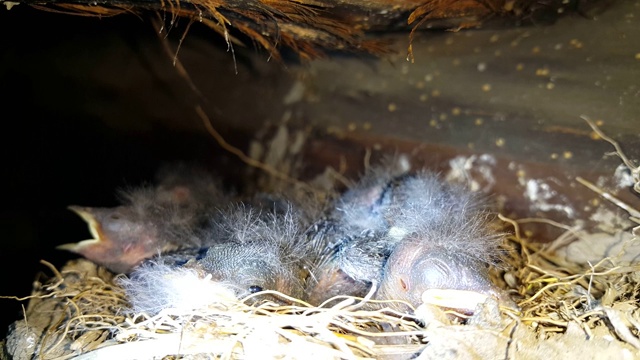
(263, 248)
(406, 233)
(249, 249)
(443, 240)
(352, 235)
(361, 210)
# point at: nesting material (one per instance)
(78, 312)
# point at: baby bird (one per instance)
(249, 250)
(443, 239)
(151, 219)
(352, 235)
(405, 233)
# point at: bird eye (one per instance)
(202, 253)
(403, 284)
(254, 289)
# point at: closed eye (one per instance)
(404, 284)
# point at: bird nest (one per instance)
(77, 313)
(592, 308)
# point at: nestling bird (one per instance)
(249, 250)
(443, 239)
(406, 233)
(352, 235)
(152, 219)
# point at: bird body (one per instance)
(406, 233)
(442, 239)
(249, 249)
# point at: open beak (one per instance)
(94, 228)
